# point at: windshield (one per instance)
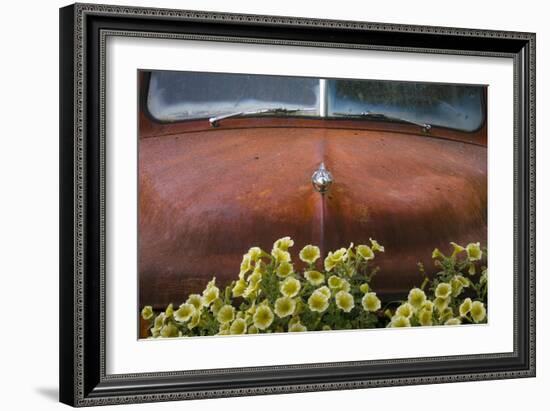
(177, 96)
(185, 95)
(453, 106)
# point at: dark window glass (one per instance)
(453, 106)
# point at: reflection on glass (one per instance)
(187, 95)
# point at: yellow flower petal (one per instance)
(344, 301)
(290, 287)
(478, 311)
(314, 277)
(147, 312)
(416, 298)
(465, 307)
(184, 312)
(297, 327)
(405, 310)
(318, 302)
(263, 317)
(310, 254)
(238, 327)
(375, 246)
(365, 252)
(284, 269)
(226, 314)
(399, 321)
(443, 290)
(474, 251)
(371, 302)
(284, 306)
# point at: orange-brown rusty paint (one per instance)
(207, 195)
(151, 128)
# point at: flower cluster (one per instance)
(271, 295)
(456, 295)
(334, 293)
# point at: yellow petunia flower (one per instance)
(428, 305)
(239, 288)
(195, 300)
(194, 320)
(329, 263)
(345, 286)
(209, 295)
(375, 246)
(280, 255)
(263, 317)
(310, 254)
(334, 258)
(457, 286)
(441, 303)
(474, 252)
(371, 302)
(283, 243)
(226, 314)
(184, 312)
(446, 314)
(147, 312)
(478, 311)
(238, 327)
(318, 302)
(284, 269)
(246, 266)
(335, 282)
(297, 327)
(457, 249)
(344, 301)
(405, 310)
(314, 277)
(251, 293)
(364, 288)
(159, 322)
(339, 255)
(443, 290)
(465, 307)
(284, 306)
(325, 291)
(252, 330)
(416, 298)
(453, 321)
(169, 311)
(216, 305)
(437, 254)
(254, 279)
(465, 282)
(290, 287)
(260, 268)
(425, 317)
(255, 253)
(365, 252)
(223, 329)
(169, 330)
(399, 321)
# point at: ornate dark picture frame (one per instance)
(83, 31)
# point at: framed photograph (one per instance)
(262, 204)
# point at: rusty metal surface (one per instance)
(206, 196)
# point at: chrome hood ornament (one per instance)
(322, 179)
